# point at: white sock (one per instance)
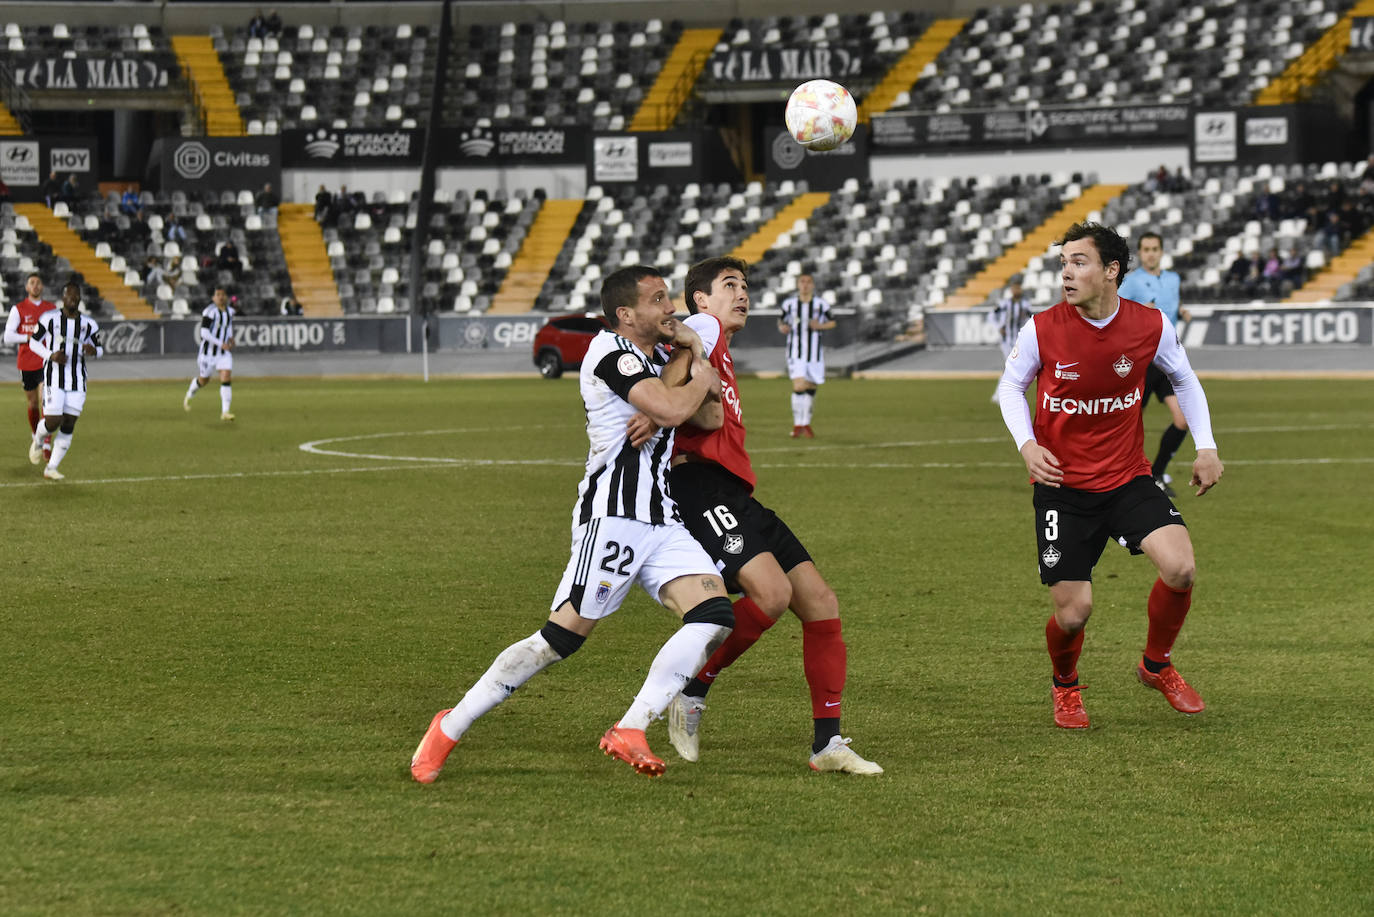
(680, 658)
(226, 395)
(808, 402)
(798, 409)
(517, 664)
(41, 433)
(61, 442)
(193, 388)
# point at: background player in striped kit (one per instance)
(216, 352)
(626, 528)
(804, 317)
(1011, 312)
(63, 339)
(23, 318)
(1152, 285)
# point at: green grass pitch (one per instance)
(220, 650)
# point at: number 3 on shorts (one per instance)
(1051, 524)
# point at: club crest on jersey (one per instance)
(603, 592)
(1050, 557)
(1123, 366)
(734, 543)
(629, 365)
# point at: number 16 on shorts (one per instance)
(724, 524)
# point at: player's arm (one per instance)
(1192, 400)
(205, 333)
(38, 343)
(95, 345)
(824, 323)
(1021, 367)
(670, 407)
(12, 335)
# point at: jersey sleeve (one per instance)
(38, 342)
(621, 370)
(1173, 359)
(96, 340)
(12, 335)
(707, 328)
(1022, 365)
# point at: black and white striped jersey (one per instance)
(802, 342)
(621, 480)
(216, 328)
(1009, 315)
(57, 331)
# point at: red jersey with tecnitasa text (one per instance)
(725, 446)
(1088, 392)
(28, 321)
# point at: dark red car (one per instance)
(563, 342)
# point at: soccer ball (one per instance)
(821, 115)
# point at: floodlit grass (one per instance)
(220, 650)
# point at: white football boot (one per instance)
(838, 756)
(684, 719)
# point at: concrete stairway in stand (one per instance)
(995, 275)
(55, 232)
(674, 83)
(530, 268)
(307, 258)
(200, 62)
(802, 206)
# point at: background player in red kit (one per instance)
(1085, 453)
(19, 327)
(713, 483)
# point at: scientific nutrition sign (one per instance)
(1032, 127)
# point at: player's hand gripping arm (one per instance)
(670, 407)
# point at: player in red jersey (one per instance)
(713, 483)
(1085, 453)
(19, 326)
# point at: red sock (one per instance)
(750, 623)
(34, 416)
(1168, 607)
(1064, 649)
(825, 659)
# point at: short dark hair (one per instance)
(621, 289)
(1110, 246)
(72, 283)
(1149, 235)
(701, 275)
(30, 276)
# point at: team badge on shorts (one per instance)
(734, 544)
(1050, 557)
(603, 592)
(1122, 366)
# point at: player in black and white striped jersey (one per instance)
(216, 335)
(804, 317)
(64, 339)
(626, 528)
(1010, 314)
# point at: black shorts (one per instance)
(731, 525)
(1072, 526)
(1156, 383)
(32, 378)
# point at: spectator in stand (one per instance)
(1295, 268)
(1267, 205)
(273, 24)
(290, 305)
(128, 202)
(71, 190)
(4, 192)
(1332, 235)
(1297, 200)
(1180, 182)
(1239, 273)
(1272, 274)
(152, 272)
(257, 26)
(324, 202)
(139, 232)
(267, 199)
(52, 188)
(227, 258)
(174, 231)
(343, 203)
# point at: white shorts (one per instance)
(206, 366)
(57, 401)
(812, 371)
(611, 554)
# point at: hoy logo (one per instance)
(1266, 131)
(69, 160)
